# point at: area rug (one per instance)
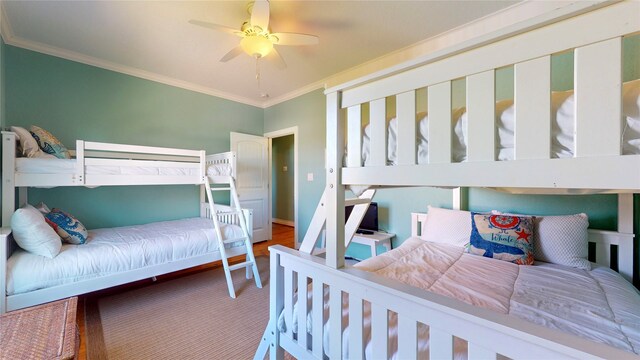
(190, 317)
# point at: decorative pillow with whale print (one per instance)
(68, 227)
(49, 143)
(503, 237)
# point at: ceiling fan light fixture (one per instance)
(257, 45)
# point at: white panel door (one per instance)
(252, 180)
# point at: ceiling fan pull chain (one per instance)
(258, 73)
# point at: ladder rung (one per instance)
(356, 201)
(220, 189)
(229, 241)
(240, 265)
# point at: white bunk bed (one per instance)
(227, 233)
(597, 165)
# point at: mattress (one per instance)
(598, 305)
(68, 166)
(115, 250)
(562, 129)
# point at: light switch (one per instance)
(284, 168)
(309, 176)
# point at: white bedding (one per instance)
(562, 128)
(68, 166)
(598, 305)
(115, 250)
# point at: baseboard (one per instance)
(283, 222)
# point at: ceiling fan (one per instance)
(257, 39)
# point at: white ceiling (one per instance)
(153, 39)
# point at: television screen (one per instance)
(370, 219)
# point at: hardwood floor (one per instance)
(281, 235)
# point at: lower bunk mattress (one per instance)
(598, 305)
(115, 250)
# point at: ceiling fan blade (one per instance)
(217, 27)
(275, 57)
(260, 14)
(231, 54)
(296, 39)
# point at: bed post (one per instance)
(625, 225)
(8, 181)
(334, 188)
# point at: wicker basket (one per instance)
(46, 331)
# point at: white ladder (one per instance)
(250, 261)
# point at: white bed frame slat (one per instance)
(439, 104)
(477, 352)
(598, 72)
(335, 322)
(334, 188)
(440, 344)
(288, 302)
(354, 133)
(302, 310)
(356, 338)
(533, 109)
(379, 331)
(318, 317)
(408, 337)
(481, 113)
(276, 305)
(406, 115)
(378, 132)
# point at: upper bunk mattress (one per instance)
(116, 250)
(68, 166)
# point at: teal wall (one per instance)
(77, 101)
(307, 112)
(282, 181)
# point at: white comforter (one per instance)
(116, 250)
(598, 305)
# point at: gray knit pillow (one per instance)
(562, 239)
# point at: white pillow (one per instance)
(32, 233)
(562, 239)
(447, 226)
(28, 145)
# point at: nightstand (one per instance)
(373, 240)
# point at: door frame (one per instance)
(276, 134)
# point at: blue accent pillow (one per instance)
(502, 237)
(49, 143)
(68, 227)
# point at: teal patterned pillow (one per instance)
(68, 227)
(49, 143)
(502, 237)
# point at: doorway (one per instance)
(283, 190)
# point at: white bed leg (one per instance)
(249, 270)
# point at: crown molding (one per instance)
(294, 94)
